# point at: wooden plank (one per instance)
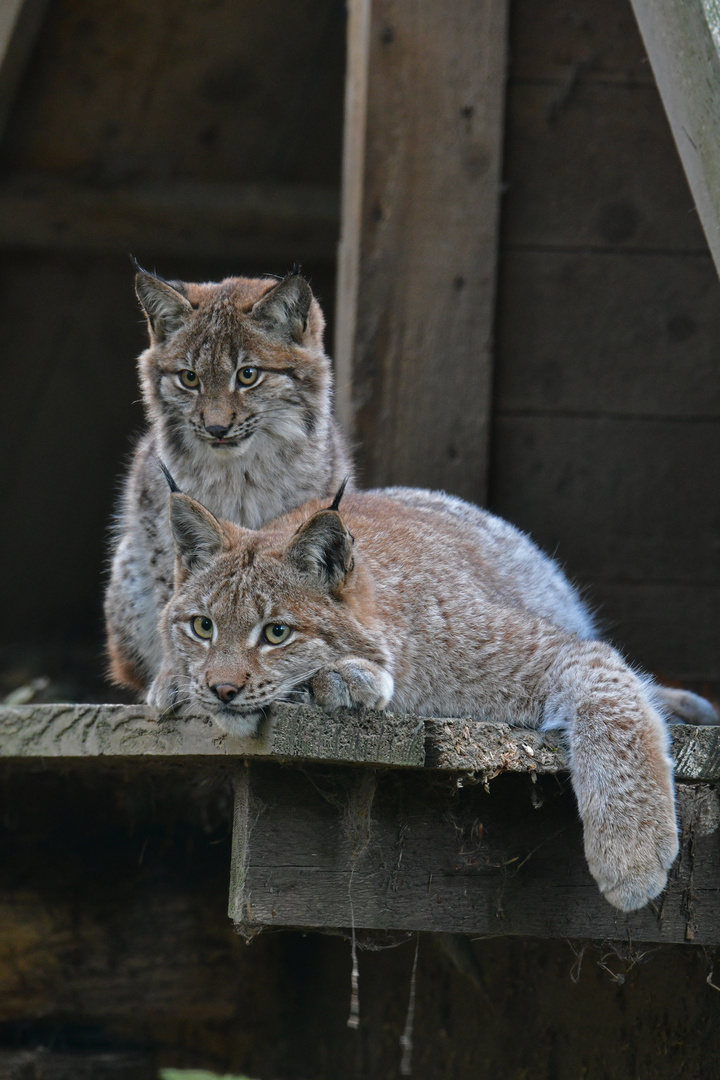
(20, 22)
(571, 41)
(407, 855)
(275, 222)
(686, 66)
(248, 93)
(668, 628)
(565, 189)
(616, 499)
(486, 750)
(646, 329)
(128, 731)
(48, 1065)
(418, 238)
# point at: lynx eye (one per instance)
(190, 379)
(276, 633)
(248, 376)
(202, 627)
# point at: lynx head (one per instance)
(231, 362)
(255, 615)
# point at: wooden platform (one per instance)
(399, 822)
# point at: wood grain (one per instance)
(249, 222)
(623, 334)
(564, 187)
(686, 66)
(126, 731)
(505, 862)
(418, 242)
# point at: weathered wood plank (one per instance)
(614, 498)
(489, 749)
(418, 238)
(280, 223)
(566, 41)
(127, 731)
(625, 334)
(48, 1065)
(668, 628)
(415, 856)
(20, 22)
(565, 189)
(686, 66)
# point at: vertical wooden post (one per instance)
(418, 252)
(20, 22)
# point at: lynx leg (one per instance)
(620, 769)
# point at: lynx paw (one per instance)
(353, 682)
(630, 859)
(164, 694)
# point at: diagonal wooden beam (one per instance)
(20, 22)
(686, 65)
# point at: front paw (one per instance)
(630, 850)
(353, 682)
(164, 695)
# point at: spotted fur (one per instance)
(249, 453)
(419, 602)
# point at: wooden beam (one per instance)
(421, 193)
(247, 222)
(133, 732)
(396, 852)
(686, 65)
(20, 22)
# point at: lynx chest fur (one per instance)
(423, 603)
(238, 392)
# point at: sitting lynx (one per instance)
(423, 603)
(238, 391)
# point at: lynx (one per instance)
(422, 603)
(238, 392)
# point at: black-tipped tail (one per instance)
(166, 473)
(340, 492)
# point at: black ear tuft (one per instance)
(322, 550)
(284, 309)
(335, 504)
(166, 473)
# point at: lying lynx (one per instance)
(238, 391)
(420, 602)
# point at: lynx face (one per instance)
(253, 617)
(231, 363)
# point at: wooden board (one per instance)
(686, 66)
(282, 224)
(616, 499)
(599, 171)
(600, 333)
(126, 731)
(425, 94)
(20, 22)
(402, 853)
(571, 41)
(46, 1065)
(671, 629)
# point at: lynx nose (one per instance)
(217, 430)
(225, 691)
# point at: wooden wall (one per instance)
(606, 440)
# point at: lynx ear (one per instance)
(165, 307)
(197, 534)
(283, 311)
(322, 550)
